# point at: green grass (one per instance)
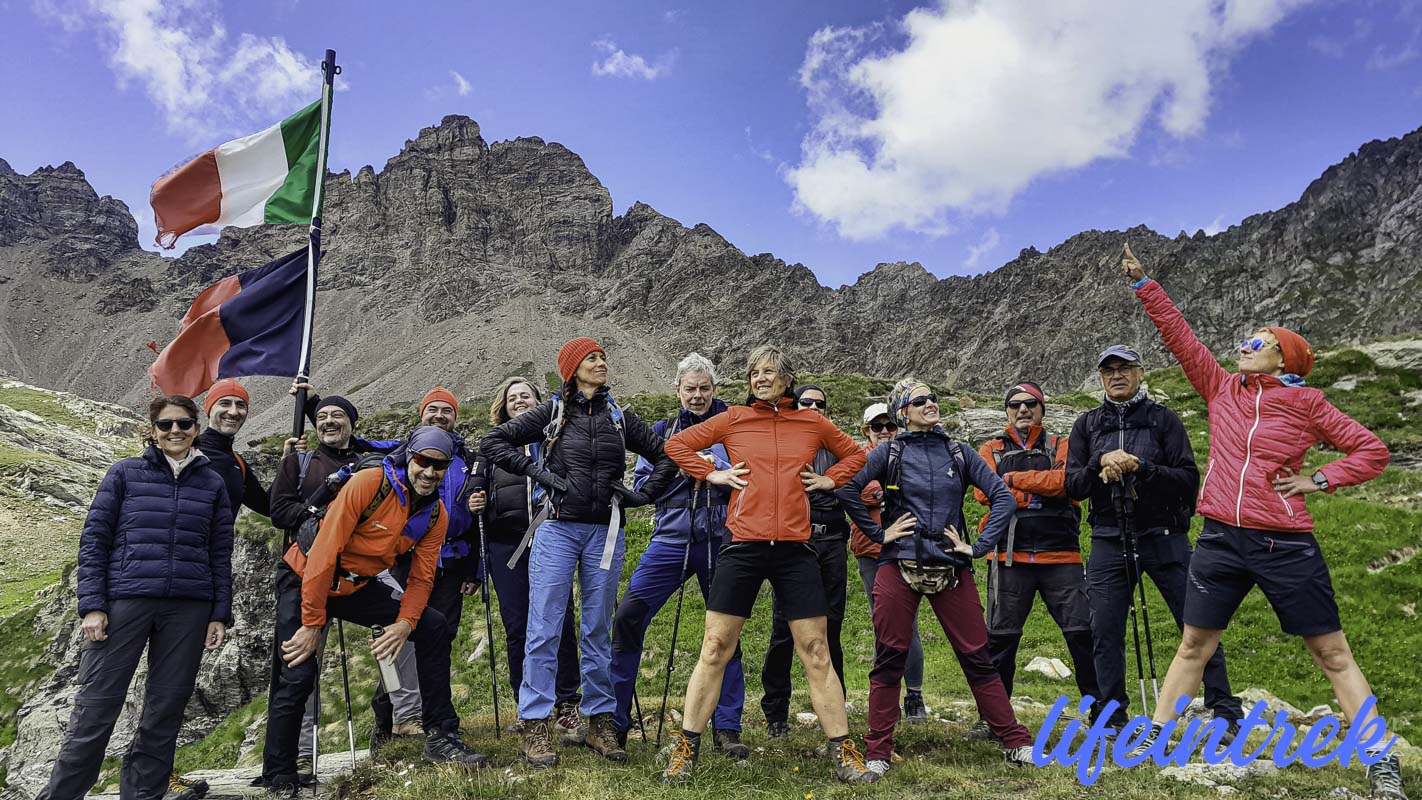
(21, 667)
(44, 405)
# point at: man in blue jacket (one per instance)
(688, 529)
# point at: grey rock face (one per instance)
(462, 261)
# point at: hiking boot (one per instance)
(980, 732)
(1019, 756)
(305, 771)
(378, 739)
(180, 794)
(1385, 780)
(445, 747)
(568, 724)
(777, 730)
(537, 744)
(177, 783)
(601, 738)
(681, 761)
(284, 787)
(415, 728)
(729, 742)
(849, 766)
(914, 709)
(515, 728)
(1140, 750)
(878, 766)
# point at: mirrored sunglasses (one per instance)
(425, 462)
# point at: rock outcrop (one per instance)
(462, 261)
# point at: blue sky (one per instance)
(835, 134)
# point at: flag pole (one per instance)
(329, 71)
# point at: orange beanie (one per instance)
(439, 394)
(227, 387)
(573, 354)
(1298, 354)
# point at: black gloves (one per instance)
(631, 498)
(547, 479)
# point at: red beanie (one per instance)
(439, 394)
(573, 354)
(1298, 354)
(1028, 387)
(227, 387)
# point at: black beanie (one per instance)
(334, 400)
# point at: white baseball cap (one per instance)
(876, 410)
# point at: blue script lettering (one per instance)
(1089, 755)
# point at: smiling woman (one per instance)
(155, 575)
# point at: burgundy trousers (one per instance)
(961, 615)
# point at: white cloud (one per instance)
(620, 64)
(460, 84)
(204, 82)
(1217, 225)
(985, 245)
(960, 106)
(760, 152)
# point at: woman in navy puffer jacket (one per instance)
(155, 573)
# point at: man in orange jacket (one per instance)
(771, 444)
(379, 515)
(1042, 554)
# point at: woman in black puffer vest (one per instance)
(506, 511)
(155, 574)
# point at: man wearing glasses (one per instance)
(1132, 441)
(379, 515)
(1041, 553)
(829, 536)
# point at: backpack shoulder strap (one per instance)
(617, 422)
(553, 429)
(241, 465)
(893, 467)
(374, 504)
(305, 461)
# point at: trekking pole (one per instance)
(1128, 553)
(1129, 503)
(316, 729)
(676, 620)
(346, 684)
(489, 626)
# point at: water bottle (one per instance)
(389, 676)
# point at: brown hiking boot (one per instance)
(538, 744)
(602, 738)
(849, 766)
(681, 761)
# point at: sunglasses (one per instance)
(1015, 404)
(1256, 344)
(880, 427)
(923, 400)
(425, 462)
(807, 402)
(183, 423)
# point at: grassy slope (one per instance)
(1356, 526)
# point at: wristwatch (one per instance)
(1320, 480)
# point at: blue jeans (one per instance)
(559, 549)
(656, 579)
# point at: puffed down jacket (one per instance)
(151, 535)
(1260, 425)
(590, 453)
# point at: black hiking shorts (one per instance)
(1287, 567)
(793, 569)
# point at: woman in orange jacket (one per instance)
(771, 444)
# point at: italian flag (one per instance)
(268, 177)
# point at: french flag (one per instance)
(247, 324)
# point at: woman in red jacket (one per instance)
(1263, 421)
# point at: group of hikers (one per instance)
(393, 535)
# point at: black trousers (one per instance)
(1011, 593)
(173, 632)
(445, 598)
(1166, 559)
(372, 604)
(832, 554)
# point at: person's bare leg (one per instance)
(717, 647)
(1187, 669)
(1332, 654)
(826, 694)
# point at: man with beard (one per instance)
(300, 486)
(688, 528)
(379, 515)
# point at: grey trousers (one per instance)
(173, 633)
